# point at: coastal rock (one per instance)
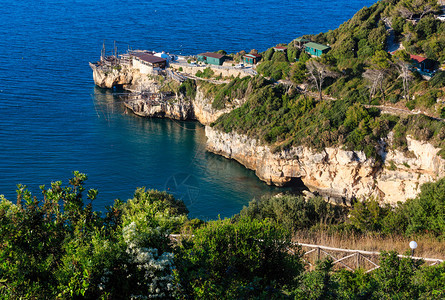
(336, 172)
(203, 110)
(177, 108)
(333, 171)
(130, 78)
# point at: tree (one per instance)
(319, 283)
(379, 65)
(374, 79)
(407, 77)
(427, 211)
(394, 277)
(298, 72)
(403, 62)
(424, 7)
(409, 8)
(318, 72)
(243, 259)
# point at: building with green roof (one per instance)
(211, 58)
(316, 49)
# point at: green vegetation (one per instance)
(295, 213)
(275, 116)
(59, 247)
(358, 73)
(238, 88)
(421, 215)
(207, 73)
(188, 88)
(358, 52)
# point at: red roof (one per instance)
(417, 58)
(280, 47)
(149, 58)
(253, 55)
(212, 54)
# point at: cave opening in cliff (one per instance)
(297, 184)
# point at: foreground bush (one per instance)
(59, 248)
(242, 259)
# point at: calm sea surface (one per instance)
(53, 120)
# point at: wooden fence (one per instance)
(350, 259)
(342, 258)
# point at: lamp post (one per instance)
(413, 246)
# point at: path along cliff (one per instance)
(333, 171)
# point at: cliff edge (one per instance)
(336, 172)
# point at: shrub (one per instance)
(426, 211)
(247, 258)
(319, 283)
(188, 88)
(438, 80)
(394, 277)
(368, 215)
(294, 212)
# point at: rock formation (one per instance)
(333, 171)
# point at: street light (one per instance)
(413, 246)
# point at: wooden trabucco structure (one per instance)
(350, 259)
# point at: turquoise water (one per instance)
(53, 120)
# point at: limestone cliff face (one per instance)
(205, 113)
(334, 171)
(177, 108)
(107, 78)
(180, 108)
(131, 78)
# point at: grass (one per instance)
(428, 247)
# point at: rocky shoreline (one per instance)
(333, 171)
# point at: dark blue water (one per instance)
(53, 120)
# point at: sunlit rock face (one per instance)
(336, 172)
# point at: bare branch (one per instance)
(407, 77)
(318, 72)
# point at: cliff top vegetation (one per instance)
(336, 99)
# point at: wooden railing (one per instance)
(342, 258)
(350, 259)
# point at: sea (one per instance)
(53, 120)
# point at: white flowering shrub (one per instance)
(154, 273)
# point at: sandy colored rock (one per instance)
(347, 174)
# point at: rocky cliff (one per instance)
(130, 78)
(336, 172)
(205, 113)
(177, 107)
